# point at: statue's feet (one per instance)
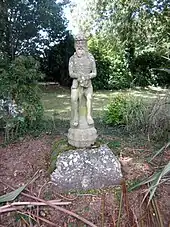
(90, 120)
(75, 122)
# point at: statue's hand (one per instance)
(84, 77)
(81, 78)
(84, 83)
(92, 75)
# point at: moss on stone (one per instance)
(58, 147)
(61, 146)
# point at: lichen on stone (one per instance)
(58, 147)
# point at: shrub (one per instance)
(120, 77)
(112, 69)
(158, 117)
(115, 111)
(139, 115)
(123, 109)
(146, 69)
(19, 89)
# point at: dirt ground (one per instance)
(19, 162)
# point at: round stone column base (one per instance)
(82, 137)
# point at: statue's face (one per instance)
(80, 47)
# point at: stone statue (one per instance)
(82, 69)
(92, 167)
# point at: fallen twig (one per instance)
(38, 217)
(55, 202)
(157, 212)
(9, 210)
(140, 219)
(136, 223)
(58, 208)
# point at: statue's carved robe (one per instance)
(82, 67)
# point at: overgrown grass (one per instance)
(136, 114)
(56, 100)
(56, 103)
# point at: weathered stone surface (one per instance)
(82, 137)
(84, 169)
(82, 68)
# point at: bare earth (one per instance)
(21, 160)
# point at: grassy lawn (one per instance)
(56, 101)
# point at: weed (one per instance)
(135, 114)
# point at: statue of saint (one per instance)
(82, 69)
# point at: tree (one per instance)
(138, 28)
(55, 61)
(139, 20)
(27, 26)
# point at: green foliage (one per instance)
(22, 23)
(112, 70)
(123, 109)
(18, 83)
(116, 111)
(12, 195)
(139, 115)
(121, 76)
(146, 69)
(8, 197)
(56, 59)
(103, 65)
(140, 30)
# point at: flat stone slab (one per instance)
(85, 169)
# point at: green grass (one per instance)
(57, 101)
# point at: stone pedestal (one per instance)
(83, 135)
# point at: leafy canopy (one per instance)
(29, 25)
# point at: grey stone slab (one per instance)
(85, 169)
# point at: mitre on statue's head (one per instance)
(80, 37)
(81, 41)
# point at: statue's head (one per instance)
(80, 44)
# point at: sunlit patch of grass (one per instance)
(58, 100)
(57, 105)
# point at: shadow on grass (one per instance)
(116, 135)
(56, 100)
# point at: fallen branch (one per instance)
(58, 208)
(55, 202)
(38, 217)
(69, 213)
(9, 210)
